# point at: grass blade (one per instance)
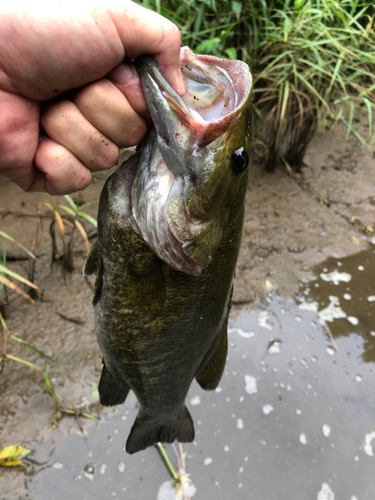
(5, 235)
(29, 346)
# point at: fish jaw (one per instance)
(189, 179)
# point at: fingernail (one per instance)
(123, 74)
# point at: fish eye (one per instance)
(239, 161)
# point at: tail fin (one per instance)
(144, 434)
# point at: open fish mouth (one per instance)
(177, 194)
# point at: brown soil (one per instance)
(292, 223)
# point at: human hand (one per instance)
(66, 67)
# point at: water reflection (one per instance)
(344, 295)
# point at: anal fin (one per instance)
(111, 391)
(144, 434)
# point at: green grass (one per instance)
(313, 63)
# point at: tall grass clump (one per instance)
(313, 63)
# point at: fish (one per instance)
(170, 220)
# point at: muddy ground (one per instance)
(292, 223)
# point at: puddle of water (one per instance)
(293, 418)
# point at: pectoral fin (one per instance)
(111, 391)
(94, 265)
(211, 371)
(91, 263)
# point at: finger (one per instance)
(109, 111)
(19, 132)
(59, 171)
(127, 80)
(145, 32)
(66, 125)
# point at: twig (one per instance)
(331, 336)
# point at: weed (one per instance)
(313, 63)
(74, 211)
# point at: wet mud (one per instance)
(294, 416)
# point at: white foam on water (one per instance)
(251, 385)
(371, 298)
(57, 465)
(333, 311)
(103, 468)
(195, 401)
(302, 438)
(207, 461)
(326, 429)
(358, 378)
(263, 320)
(335, 276)
(309, 306)
(326, 493)
(167, 490)
(361, 268)
(299, 412)
(274, 347)
(239, 423)
(330, 350)
(347, 296)
(369, 445)
(353, 320)
(226, 448)
(267, 409)
(241, 333)
(121, 467)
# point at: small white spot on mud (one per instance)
(347, 296)
(353, 320)
(369, 444)
(57, 465)
(302, 439)
(299, 412)
(333, 311)
(240, 470)
(195, 401)
(246, 459)
(358, 378)
(241, 333)
(263, 320)
(335, 276)
(103, 468)
(371, 298)
(241, 399)
(309, 306)
(326, 493)
(121, 467)
(356, 458)
(288, 387)
(353, 497)
(361, 268)
(240, 485)
(207, 461)
(226, 448)
(251, 385)
(239, 423)
(326, 429)
(330, 350)
(267, 409)
(218, 389)
(372, 334)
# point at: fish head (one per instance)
(193, 165)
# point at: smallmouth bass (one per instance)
(169, 230)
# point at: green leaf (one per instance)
(29, 346)
(231, 53)
(71, 212)
(5, 235)
(237, 8)
(18, 277)
(71, 202)
(88, 217)
(208, 45)
(298, 4)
